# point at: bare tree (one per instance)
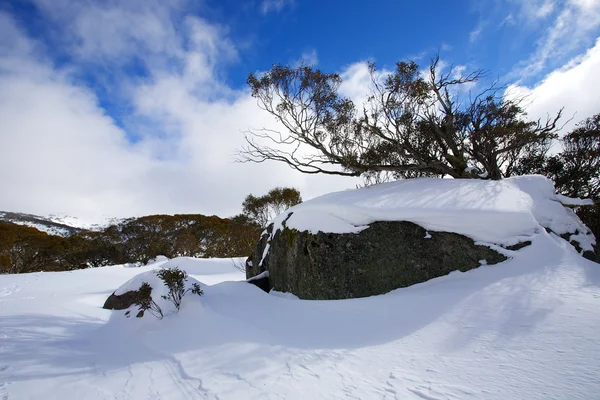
(413, 124)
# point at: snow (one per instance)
(264, 274)
(502, 212)
(159, 290)
(523, 329)
(284, 295)
(58, 225)
(49, 229)
(90, 223)
(158, 259)
(574, 201)
(526, 328)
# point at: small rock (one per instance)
(262, 281)
(121, 302)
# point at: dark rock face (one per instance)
(262, 282)
(384, 257)
(592, 255)
(254, 264)
(518, 246)
(121, 302)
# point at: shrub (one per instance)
(145, 302)
(174, 280)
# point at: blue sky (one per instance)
(497, 35)
(143, 103)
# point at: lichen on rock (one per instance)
(384, 257)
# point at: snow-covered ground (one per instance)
(527, 328)
(524, 329)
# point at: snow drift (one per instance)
(502, 212)
(523, 329)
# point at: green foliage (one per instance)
(174, 279)
(576, 170)
(191, 235)
(196, 289)
(263, 209)
(25, 249)
(145, 302)
(137, 240)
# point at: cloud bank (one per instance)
(62, 152)
(124, 110)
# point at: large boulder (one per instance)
(369, 241)
(384, 257)
(128, 294)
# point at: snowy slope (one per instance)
(526, 328)
(42, 224)
(88, 224)
(59, 225)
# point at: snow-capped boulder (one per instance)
(128, 294)
(369, 241)
(387, 256)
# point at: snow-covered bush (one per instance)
(145, 302)
(159, 299)
(174, 280)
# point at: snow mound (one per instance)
(204, 267)
(501, 212)
(158, 259)
(525, 330)
(159, 289)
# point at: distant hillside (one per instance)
(43, 224)
(31, 243)
(54, 224)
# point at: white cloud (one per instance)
(309, 57)
(530, 11)
(62, 153)
(268, 6)
(545, 9)
(115, 31)
(509, 20)
(446, 47)
(356, 82)
(475, 34)
(567, 27)
(586, 5)
(576, 87)
(561, 29)
(58, 148)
